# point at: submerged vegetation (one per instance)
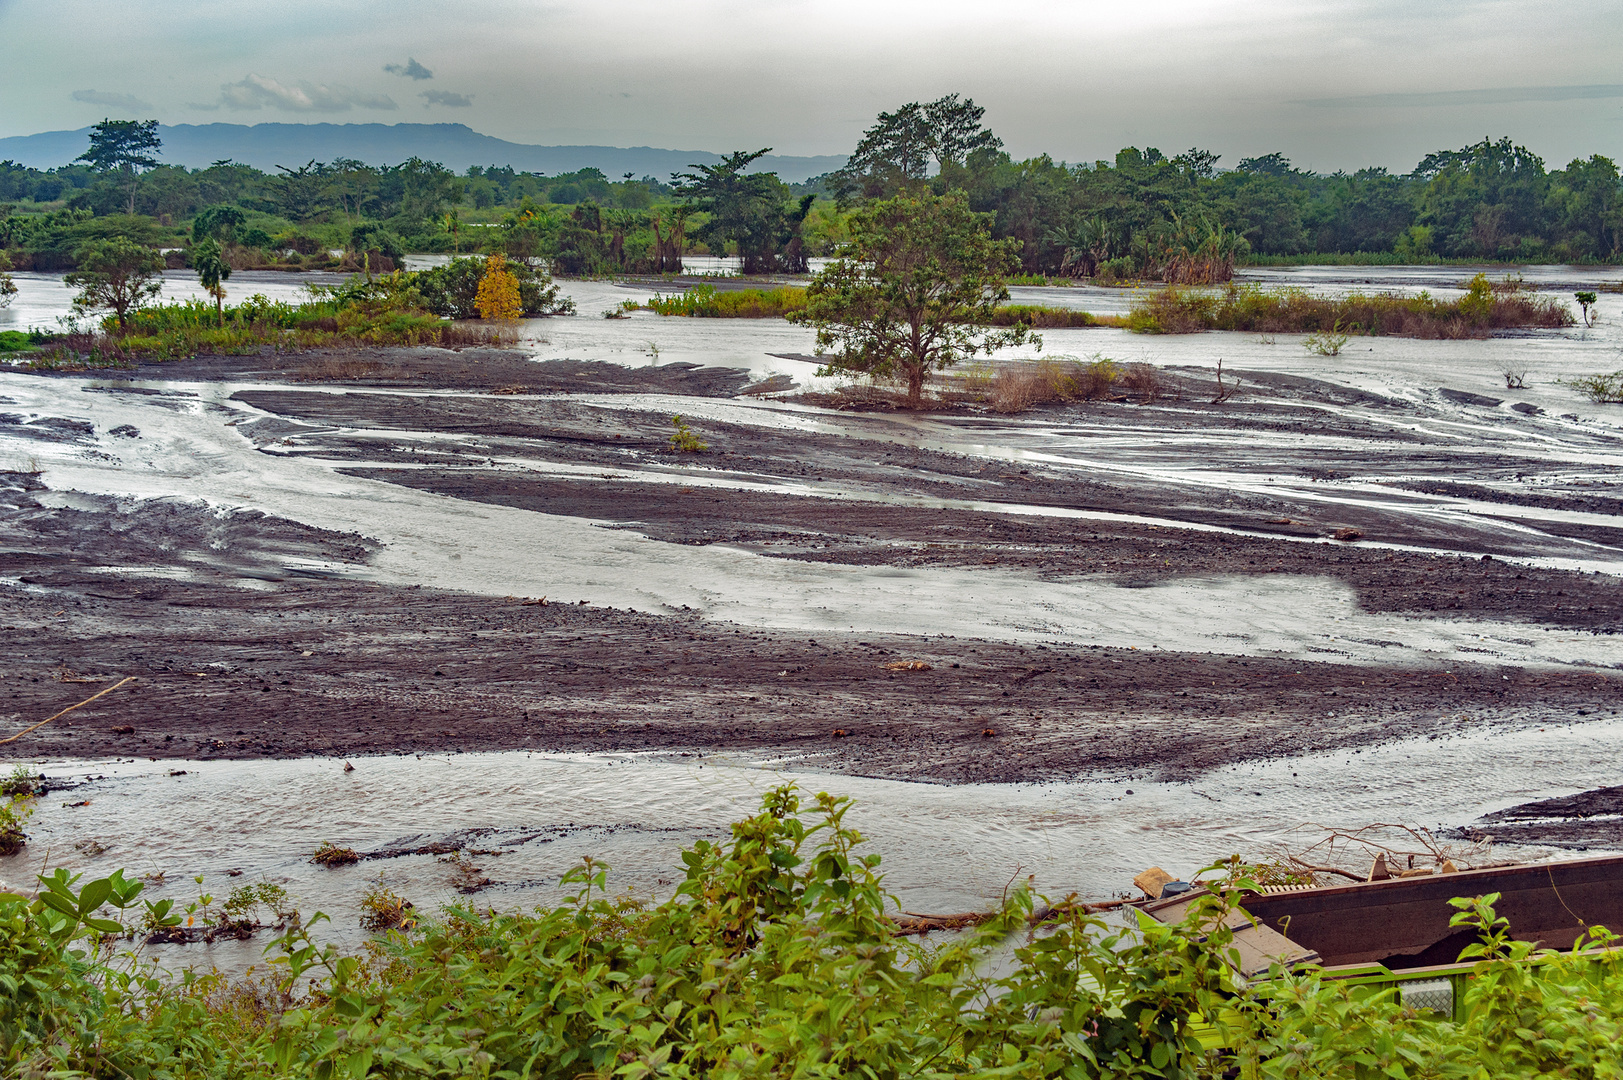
(778, 955)
(1485, 307)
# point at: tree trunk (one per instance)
(915, 386)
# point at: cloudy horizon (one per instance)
(1332, 86)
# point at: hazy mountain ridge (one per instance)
(456, 146)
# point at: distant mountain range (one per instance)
(456, 146)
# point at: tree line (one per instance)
(1142, 215)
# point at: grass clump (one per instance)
(1043, 317)
(779, 956)
(708, 302)
(331, 855)
(14, 342)
(1021, 386)
(1485, 307)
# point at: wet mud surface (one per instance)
(237, 656)
(250, 637)
(1588, 819)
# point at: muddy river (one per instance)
(537, 632)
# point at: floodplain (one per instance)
(487, 581)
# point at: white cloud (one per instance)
(258, 92)
(117, 101)
(446, 98)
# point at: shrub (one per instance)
(1487, 306)
(683, 440)
(451, 291)
(15, 810)
(383, 909)
(1326, 342)
(1601, 389)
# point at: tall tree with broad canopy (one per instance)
(116, 275)
(913, 292)
(747, 209)
(897, 151)
(121, 146)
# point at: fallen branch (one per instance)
(70, 708)
(916, 923)
(1324, 869)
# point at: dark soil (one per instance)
(1589, 819)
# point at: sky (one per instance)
(1334, 84)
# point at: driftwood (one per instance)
(1385, 840)
(913, 923)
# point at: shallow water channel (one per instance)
(527, 818)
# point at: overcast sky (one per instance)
(1333, 84)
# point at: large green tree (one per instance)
(747, 209)
(117, 275)
(913, 292)
(898, 150)
(121, 146)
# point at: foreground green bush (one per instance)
(774, 958)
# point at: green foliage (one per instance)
(244, 902)
(121, 146)
(218, 223)
(1601, 389)
(117, 275)
(15, 810)
(1041, 317)
(897, 151)
(17, 341)
(1486, 306)
(1328, 342)
(1586, 300)
(749, 211)
(384, 909)
(451, 291)
(913, 292)
(23, 780)
(776, 957)
(707, 302)
(683, 440)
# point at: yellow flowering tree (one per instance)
(498, 297)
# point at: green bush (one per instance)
(778, 957)
(451, 291)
